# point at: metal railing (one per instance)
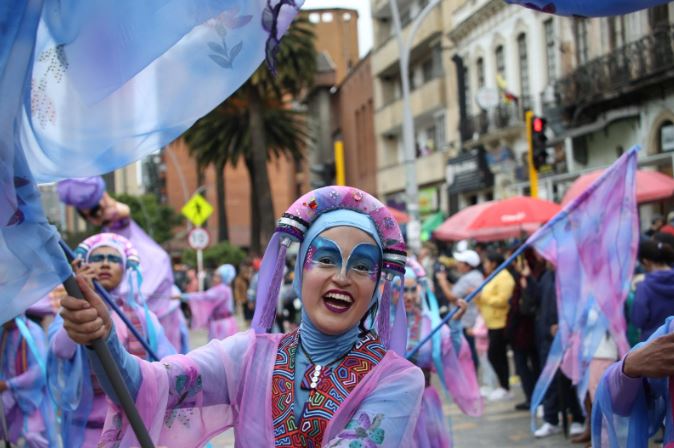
(620, 70)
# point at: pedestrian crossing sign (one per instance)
(197, 210)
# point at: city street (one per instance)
(500, 426)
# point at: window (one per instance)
(550, 54)
(327, 17)
(500, 61)
(315, 17)
(524, 64)
(580, 34)
(479, 67)
(466, 86)
(667, 137)
(616, 30)
(428, 70)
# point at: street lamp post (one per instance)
(411, 187)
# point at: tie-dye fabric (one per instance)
(88, 87)
(592, 244)
(588, 8)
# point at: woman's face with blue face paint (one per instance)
(108, 264)
(340, 273)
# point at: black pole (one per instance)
(114, 376)
(104, 294)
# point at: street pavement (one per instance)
(500, 426)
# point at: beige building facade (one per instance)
(433, 102)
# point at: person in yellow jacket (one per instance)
(494, 303)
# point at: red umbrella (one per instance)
(455, 228)
(400, 217)
(498, 220)
(651, 186)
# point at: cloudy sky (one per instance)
(364, 21)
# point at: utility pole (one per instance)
(533, 174)
(340, 169)
(411, 187)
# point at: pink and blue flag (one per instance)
(592, 243)
(90, 86)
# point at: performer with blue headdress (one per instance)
(214, 308)
(113, 262)
(336, 381)
(94, 204)
(447, 355)
(26, 413)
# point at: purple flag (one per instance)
(593, 243)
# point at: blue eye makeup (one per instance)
(364, 259)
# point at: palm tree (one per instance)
(258, 123)
(284, 130)
(296, 67)
(208, 148)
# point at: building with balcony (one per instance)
(506, 57)
(615, 91)
(434, 107)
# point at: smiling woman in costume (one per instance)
(333, 382)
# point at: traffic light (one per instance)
(539, 142)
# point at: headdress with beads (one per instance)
(293, 227)
(132, 274)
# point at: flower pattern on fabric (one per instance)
(222, 54)
(365, 431)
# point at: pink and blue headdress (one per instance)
(312, 214)
(130, 287)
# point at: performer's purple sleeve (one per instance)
(128, 366)
(62, 345)
(623, 389)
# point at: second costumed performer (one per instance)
(333, 382)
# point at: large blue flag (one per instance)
(90, 86)
(592, 243)
(588, 8)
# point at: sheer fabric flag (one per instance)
(31, 262)
(88, 87)
(593, 244)
(588, 8)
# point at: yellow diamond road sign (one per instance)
(197, 210)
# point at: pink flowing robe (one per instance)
(433, 428)
(214, 308)
(185, 400)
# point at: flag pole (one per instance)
(114, 376)
(469, 298)
(106, 297)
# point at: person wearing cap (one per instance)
(470, 278)
(95, 205)
(338, 381)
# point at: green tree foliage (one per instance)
(216, 255)
(258, 123)
(158, 220)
